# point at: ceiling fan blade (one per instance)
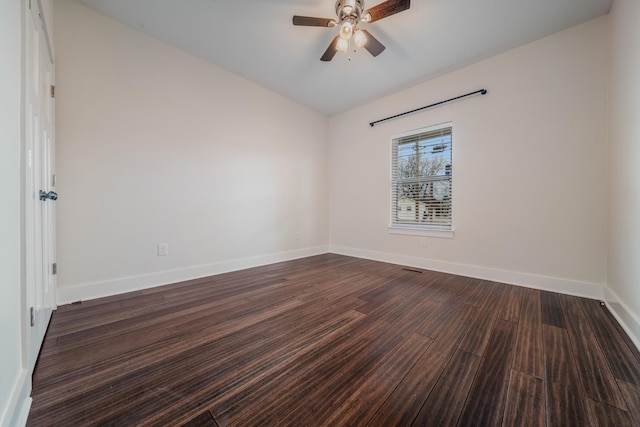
(309, 21)
(387, 8)
(331, 50)
(374, 47)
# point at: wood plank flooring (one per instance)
(336, 341)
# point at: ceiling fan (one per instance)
(350, 14)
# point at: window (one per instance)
(421, 182)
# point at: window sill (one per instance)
(422, 232)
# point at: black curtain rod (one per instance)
(481, 92)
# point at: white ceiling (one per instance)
(256, 39)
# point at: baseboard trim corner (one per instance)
(629, 321)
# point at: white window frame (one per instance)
(423, 230)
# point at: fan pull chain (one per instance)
(349, 47)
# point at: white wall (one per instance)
(10, 246)
(530, 167)
(157, 146)
(624, 189)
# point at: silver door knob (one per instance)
(50, 195)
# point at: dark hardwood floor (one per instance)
(332, 340)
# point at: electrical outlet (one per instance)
(423, 242)
(163, 249)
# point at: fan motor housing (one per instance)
(349, 9)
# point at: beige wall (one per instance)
(153, 147)
(157, 146)
(530, 167)
(624, 189)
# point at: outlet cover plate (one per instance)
(163, 249)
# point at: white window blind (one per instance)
(422, 172)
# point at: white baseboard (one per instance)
(66, 295)
(19, 403)
(629, 321)
(553, 284)
(23, 413)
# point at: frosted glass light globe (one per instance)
(346, 30)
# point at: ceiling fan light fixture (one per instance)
(342, 45)
(360, 38)
(350, 14)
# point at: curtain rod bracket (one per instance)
(481, 92)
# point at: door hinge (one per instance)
(29, 4)
(53, 91)
(53, 180)
(32, 316)
(54, 268)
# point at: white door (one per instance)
(39, 181)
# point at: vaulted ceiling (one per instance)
(257, 40)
